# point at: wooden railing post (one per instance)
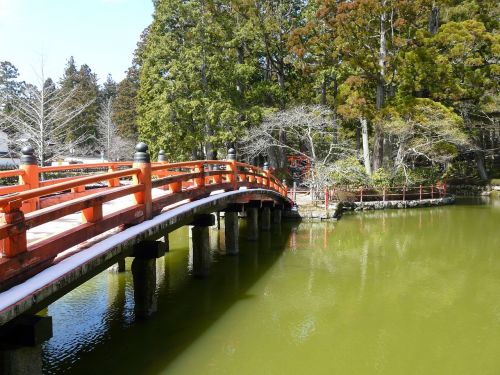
(30, 179)
(266, 171)
(285, 188)
(404, 193)
(114, 182)
(327, 198)
(233, 176)
(432, 191)
(361, 194)
(15, 243)
(199, 181)
(143, 162)
(383, 194)
(420, 192)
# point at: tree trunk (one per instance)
(378, 144)
(366, 147)
(479, 157)
(434, 19)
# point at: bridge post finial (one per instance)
(28, 156)
(161, 156)
(231, 154)
(266, 166)
(141, 153)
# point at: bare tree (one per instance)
(114, 146)
(309, 132)
(40, 117)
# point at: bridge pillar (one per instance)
(118, 266)
(200, 241)
(265, 218)
(144, 275)
(232, 231)
(277, 216)
(252, 223)
(21, 345)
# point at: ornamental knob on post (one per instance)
(142, 161)
(30, 178)
(161, 156)
(231, 154)
(285, 188)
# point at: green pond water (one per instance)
(388, 292)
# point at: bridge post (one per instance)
(233, 177)
(277, 216)
(30, 179)
(252, 223)
(266, 171)
(265, 218)
(231, 231)
(143, 162)
(161, 157)
(144, 275)
(200, 242)
(15, 243)
(21, 345)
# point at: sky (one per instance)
(100, 33)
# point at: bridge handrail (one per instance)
(197, 182)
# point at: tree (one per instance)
(125, 104)
(40, 117)
(114, 146)
(85, 82)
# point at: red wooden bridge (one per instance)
(56, 233)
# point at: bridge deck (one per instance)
(73, 270)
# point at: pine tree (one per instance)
(125, 105)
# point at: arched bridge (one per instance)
(57, 233)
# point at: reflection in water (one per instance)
(387, 292)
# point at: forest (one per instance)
(364, 92)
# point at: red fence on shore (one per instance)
(370, 194)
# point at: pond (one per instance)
(387, 292)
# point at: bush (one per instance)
(381, 178)
(349, 171)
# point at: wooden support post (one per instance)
(233, 176)
(217, 178)
(31, 178)
(404, 193)
(277, 213)
(200, 244)
(21, 341)
(231, 231)
(265, 219)
(361, 194)
(295, 191)
(432, 191)
(118, 267)
(384, 194)
(420, 192)
(327, 198)
(144, 275)
(143, 162)
(252, 223)
(15, 243)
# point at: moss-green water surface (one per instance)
(388, 292)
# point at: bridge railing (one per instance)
(180, 181)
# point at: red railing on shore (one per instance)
(23, 208)
(370, 194)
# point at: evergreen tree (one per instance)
(125, 105)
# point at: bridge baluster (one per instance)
(16, 242)
(267, 180)
(114, 182)
(143, 162)
(199, 181)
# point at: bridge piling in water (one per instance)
(21, 345)
(231, 231)
(265, 218)
(144, 275)
(200, 242)
(252, 223)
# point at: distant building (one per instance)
(6, 162)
